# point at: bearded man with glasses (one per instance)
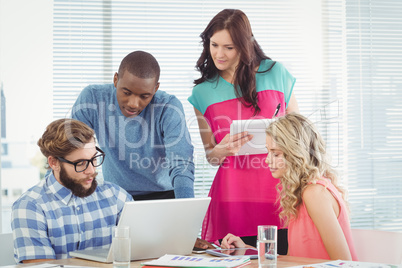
(69, 209)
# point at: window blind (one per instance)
(373, 41)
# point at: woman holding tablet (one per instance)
(312, 202)
(238, 81)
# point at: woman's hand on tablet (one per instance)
(232, 241)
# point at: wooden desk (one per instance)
(283, 261)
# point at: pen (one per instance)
(277, 110)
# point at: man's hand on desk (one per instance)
(203, 244)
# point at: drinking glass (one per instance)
(267, 245)
(121, 247)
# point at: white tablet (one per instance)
(257, 128)
(252, 253)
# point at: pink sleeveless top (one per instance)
(304, 238)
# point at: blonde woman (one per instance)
(313, 206)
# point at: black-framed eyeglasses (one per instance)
(82, 165)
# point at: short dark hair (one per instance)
(63, 136)
(141, 64)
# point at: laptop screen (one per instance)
(157, 227)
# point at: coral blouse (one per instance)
(304, 238)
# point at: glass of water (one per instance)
(121, 244)
(267, 239)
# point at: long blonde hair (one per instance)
(305, 158)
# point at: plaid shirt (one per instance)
(48, 221)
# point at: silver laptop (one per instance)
(157, 227)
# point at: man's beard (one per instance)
(76, 188)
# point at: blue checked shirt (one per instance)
(48, 221)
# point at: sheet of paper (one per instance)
(50, 265)
(348, 264)
(256, 127)
(195, 261)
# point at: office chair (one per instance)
(378, 246)
(6, 249)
